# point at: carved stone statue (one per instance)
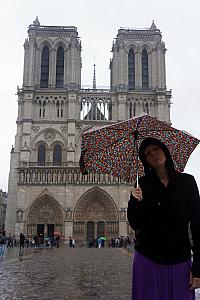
(123, 214)
(68, 215)
(19, 215)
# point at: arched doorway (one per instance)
(45, 218)
(95, 215)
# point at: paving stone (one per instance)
(67, 273)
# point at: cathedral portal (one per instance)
(45, 218)
(95, 215)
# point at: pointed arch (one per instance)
(45, 211)
(131, 69)
(60, 67)
(41, 154)
(61, 42)
(57, 136)
(95, 207)
(44, 78)
(90, 198)
(57, 154)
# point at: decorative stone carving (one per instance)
(49, 135)
(79, 127)
(36, 22)
(63, 129)
(19, 215)
(49, 155)
(46, 215)
(70, 148)
(25, 146)
(95, 211)
(35, 129)
(26, 44)
(121, 44)
(68, 215)
(122, 214)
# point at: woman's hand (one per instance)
(194, 282)
(137, 193)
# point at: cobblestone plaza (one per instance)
(67, 273)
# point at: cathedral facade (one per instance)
(46, 191)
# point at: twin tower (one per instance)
(46, 192)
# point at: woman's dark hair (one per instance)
(153, 141)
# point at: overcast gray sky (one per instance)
(97, 23)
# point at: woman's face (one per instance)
(155, 156)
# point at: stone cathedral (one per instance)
(46, 191)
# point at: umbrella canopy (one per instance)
(113, 149)
(56, 233)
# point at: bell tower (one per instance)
(138, 59)
(137, 70)
(52, 57)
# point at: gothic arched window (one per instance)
(145, 71)
(131, 70)
(41, 154)
(60, 68)
(44, 79)
(57, 154)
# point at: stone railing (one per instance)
(63, 175)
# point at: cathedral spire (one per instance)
(153, 26)
(36, 22)
(94, 77)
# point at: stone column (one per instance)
(122, 222)
(52, 68)
(37, 67)
(122, 108)
(26, 63)
(150, 68)
(95, 230)
(73, 61)
(12, 193)
(31, 61)
(161, 108)
(160, 67)
(115, 66)
(68, 230)
(138, 70)
(154, 68)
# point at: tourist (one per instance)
(2, 243)
(160, 211)
(57, 241)
(21, 241)
(73, 243)
(70, 242)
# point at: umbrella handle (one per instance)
(137, 180)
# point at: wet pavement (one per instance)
(66, 273)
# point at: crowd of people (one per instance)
(10, 241)
(118, 242)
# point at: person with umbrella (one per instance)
(160, 210)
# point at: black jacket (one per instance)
(162, 218)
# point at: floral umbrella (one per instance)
(113, 149)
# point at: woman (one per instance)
(160, 211)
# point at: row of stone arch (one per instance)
(95, 206)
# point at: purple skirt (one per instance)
(152, 281)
